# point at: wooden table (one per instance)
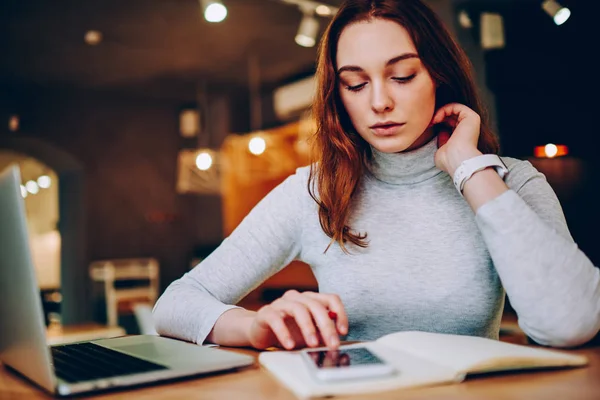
(57, 334)
(255, 383)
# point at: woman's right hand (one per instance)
(298, 320)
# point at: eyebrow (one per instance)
(391, 61)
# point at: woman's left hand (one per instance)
(460, 143)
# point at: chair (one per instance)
(145, 271)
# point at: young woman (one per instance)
(409, 219)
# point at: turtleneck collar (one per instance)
(405, 168)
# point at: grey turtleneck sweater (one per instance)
(431, 264)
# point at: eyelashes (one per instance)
(405, 79)
(356, 88)
(401, 80)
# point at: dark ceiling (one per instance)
(166, 44)
(148, 41)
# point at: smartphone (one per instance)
(346, 363)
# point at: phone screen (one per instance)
(343, 358)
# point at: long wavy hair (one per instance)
(340, 155)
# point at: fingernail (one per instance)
(312, 340)
(343, 329)
(289, 343)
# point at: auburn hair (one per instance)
(340, 155)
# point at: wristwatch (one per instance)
(468, 167)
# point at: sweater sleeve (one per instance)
(552, 285)
(266, 240)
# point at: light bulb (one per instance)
(214, 11)
(13, 123)
(550, 150)
(44, 181)
(93, 37)
(204, 161)
(32, 187)
(257, 146)
(323, 10)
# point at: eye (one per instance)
(404, 79)
(356, 88)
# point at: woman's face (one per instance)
(386, 90)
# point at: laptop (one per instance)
(81, 367)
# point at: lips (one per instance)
(386, 128)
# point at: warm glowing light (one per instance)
(93, 37)
(32, 187)
(13, 123)
(44, 181)
(323, 10)
(215, 12)
(550, 151)
(204, 161)
(257, 146)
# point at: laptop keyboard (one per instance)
(87, 361)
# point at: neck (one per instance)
(414, 165)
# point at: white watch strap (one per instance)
(468, 167)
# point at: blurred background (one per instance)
(147, 129)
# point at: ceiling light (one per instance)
(307, 31)
(44, 181)
(189, 123)
(465, 20)
(32, 187)
(323, 10)
(93, 37)
(204, 161)
(559, 13)
(257, 146)
(214, 10)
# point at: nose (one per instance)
(381, 100)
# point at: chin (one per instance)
(391, 144)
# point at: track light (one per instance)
(464, 19)
(214, 10)
(309, 25)
(307, 31)
(559, 13)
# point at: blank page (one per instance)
(469, 354)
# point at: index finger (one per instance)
(455, 111)
(334, 305)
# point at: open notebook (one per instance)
(422, 359)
